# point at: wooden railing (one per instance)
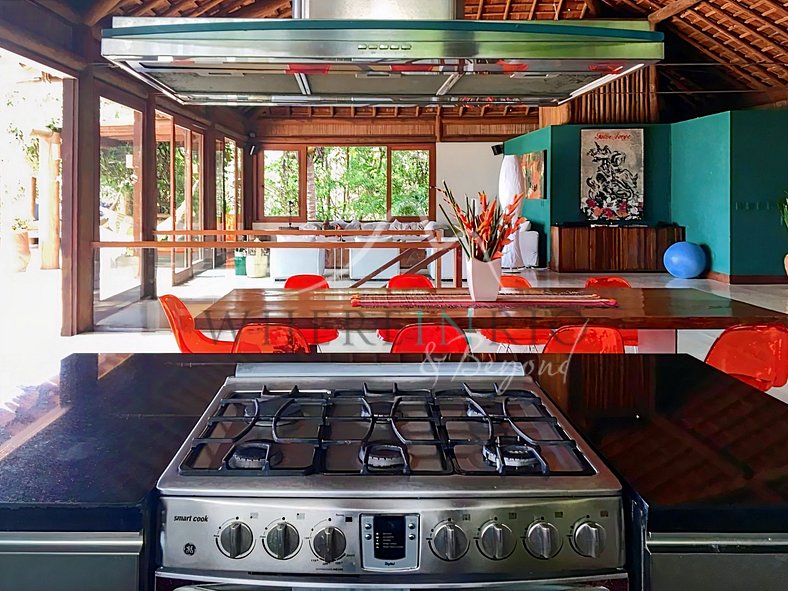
(431, 239)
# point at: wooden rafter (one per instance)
(480, 11)
(672, 9)
(149, 6)
(178, 7)
(740, 9)
(742, 48)
(60, 8)
(205, 7)
(261, 9)
(532, 12)
(750, 31)
(558, 8)
(507, 9)
(592, 7)
(100, 9)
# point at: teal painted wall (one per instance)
(538, 211)
(562, 143)
(759, 177)
(701, 182)
(566, 180)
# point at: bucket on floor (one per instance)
(240, 262)
(256, 262)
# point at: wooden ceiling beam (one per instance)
(714, 49)
(205, 7)
(748, 47)
(480, 11)
(178, 7)
(507, 9)
(672, 9)
(532, 12)
(740, 8)
(558, 8)
(100, 9)
(751, 32)
(148, 6)
(260, 9)
(60, 8)
(592, 7)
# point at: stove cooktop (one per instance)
(391, 429)
(466, 429)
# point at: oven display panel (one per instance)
(390, 542)
(389, 537)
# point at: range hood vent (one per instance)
(417, 55)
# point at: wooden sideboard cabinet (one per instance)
(611, 248)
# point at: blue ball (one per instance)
(685, 260)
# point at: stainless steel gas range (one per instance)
(396, 476)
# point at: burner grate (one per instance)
(384, 431)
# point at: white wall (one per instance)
(467, 167)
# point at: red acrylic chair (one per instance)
(314, 336)
(270, 338)
(189, 339)
(630, 335)
(756, 354)
(404, 281)
(516, 336)
(430, 338)
(585, 339)
(610, 281)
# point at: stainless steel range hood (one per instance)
(377, 52)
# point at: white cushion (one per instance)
(526, 225)
(341, 224)
(373, 238)
(312, 226)
(354, 225)
(295, 238)
(375, 226)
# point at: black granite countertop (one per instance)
(700, 450)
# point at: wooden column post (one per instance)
(80, 199)
(48, 198)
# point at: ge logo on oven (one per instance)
(189, 549)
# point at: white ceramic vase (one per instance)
(484, 280)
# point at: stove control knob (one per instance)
(282, 541)
(236, 540)
(496, 541)
(449, 542)
(329, 544)
(542, 540)
(588, 539)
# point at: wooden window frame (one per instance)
(301, 148)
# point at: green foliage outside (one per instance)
(410, 183)
(349, 182)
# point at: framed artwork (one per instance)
(533, 175)
(611, 174)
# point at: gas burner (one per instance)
(381, 455)
(513, 456)
(254, 455)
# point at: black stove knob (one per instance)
(236, 540)
(329, 544)
(449, 542)
(282, 541)
(496, 541)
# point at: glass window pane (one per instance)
(163, 206)
(196, 209)
(280, 183)
(230, 175)
(220, 206)
(410, 183)
(349, 182)
(182, 187)
(120, 197)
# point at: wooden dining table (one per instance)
(657, 313)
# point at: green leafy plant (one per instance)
(20, 224)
